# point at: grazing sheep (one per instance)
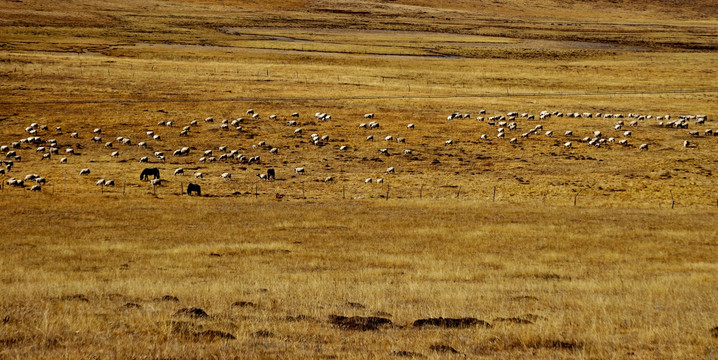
(370, 138)
(484, 137)
(448, 142)
(157, 137)
(686, 144)
(568, 133)
(226, 175)
(549, 133)
(262, 176)
(273, 150)
(198, 175)
(109, 182)
(388, 138)
(390, 170)
(328, 179)
(179, 171)
(368, 180)
(100, 182)
(643, 147)
(97, 131)
(70, 151)
(343, 148)
(379, 181)
(296, 114)
(299, 170)
(567, 145)
(115, 154)
(46, 156)
(144, 159)
(623, 142)
(513, 141)
(369, 116)
(74, 135)
(407, 152)
(85, 172)
(627, 134)
(63, 160)
(298, 131)
(410, 126)
(384, 151)
(209, 119)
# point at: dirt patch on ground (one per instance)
(361, 323)
(452, 322)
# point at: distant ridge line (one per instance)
(375, 97)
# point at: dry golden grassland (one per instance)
(580, 252)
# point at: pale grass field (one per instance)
(613, 283)
(621, 274)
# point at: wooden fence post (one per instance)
(575, 198)
(459, 192)
(421, 190)
(673, 201)
(494, 198)
(387, 192)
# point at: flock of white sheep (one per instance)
(508, 127)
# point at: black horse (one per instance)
(145, 175)
(194, 188)
(270, 174)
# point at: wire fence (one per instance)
(318, 190)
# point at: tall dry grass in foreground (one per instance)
(586, 282)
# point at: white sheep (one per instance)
(299, 170)
(85, 172)
(390, 170)
(179, 171)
